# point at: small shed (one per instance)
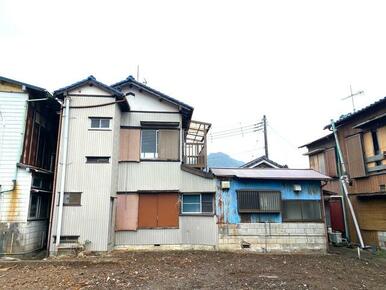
(275, 209)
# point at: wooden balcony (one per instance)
(376, 162)
(195, 145)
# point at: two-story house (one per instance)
(362, 138)
(28, 134)
(131, 171)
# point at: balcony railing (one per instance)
(376, 162)
(195, 149)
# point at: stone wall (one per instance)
(273, 237)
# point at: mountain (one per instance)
(221, 159)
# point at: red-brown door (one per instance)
(336, 215)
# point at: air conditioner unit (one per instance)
(297, 187)
(225, 184)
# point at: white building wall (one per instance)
(13, 110)
(90, 221)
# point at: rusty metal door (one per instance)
(336, 215)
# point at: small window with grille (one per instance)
(255, 201)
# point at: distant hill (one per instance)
(221, 159)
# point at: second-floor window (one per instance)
(100, 123)
(160, 144)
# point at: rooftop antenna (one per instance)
(352, 95)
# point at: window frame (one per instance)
(157, 138)
(89, 159)
(259, 210)
(302, 220)
(40, 197)
(156, 153)
(100, 128)
(200, 212)
(72, 204)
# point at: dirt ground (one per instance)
(198, 270)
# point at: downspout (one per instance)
(66, 117)
(344, 180)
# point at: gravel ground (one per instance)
(197, 270)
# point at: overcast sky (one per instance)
(233, 61)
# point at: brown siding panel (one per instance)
(355, 161)
(331, 162)
(127, 212)
(168, 210)
(169, 144)
(129, 149)
(147, 212)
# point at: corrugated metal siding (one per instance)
(194, 230)
(135, 118)
(13, 108)
(160, 176)
(95, 181)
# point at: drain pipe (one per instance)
(344, 180)
(66, 117)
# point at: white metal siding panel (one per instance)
(160, 176)
(13, 108)
(135, 118)
(199, 230)
(194, 230)
(14, 204)
(91, 220)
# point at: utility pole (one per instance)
(352, 95)
(265, 136)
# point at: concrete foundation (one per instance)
(273, 237)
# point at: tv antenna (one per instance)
(352, 95)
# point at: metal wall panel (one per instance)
(160, 176)
(194, 230)
(135, 118)
(13, 109)
(95, 181)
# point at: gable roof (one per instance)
(186, 110)
(262, 159)
(345, 118)
(27, 86)
(270, 173)
(324, 138)
(91, 81)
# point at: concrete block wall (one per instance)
(273, 237)
(382, 240)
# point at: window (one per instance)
(149, 146)
(160, 144)
(301, 210)
(100, 123)
(39, 206)
(250, 201)
(197, 203)
(158, 210)
(97, 159)
(41, 181)
(72, 198)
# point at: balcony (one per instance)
(376, 162)
(195, 145)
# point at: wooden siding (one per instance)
(382, 141)
(129, 149)
(127, 212)
(330, 156)
(367, 185)
(372, 214)
(355, 161)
